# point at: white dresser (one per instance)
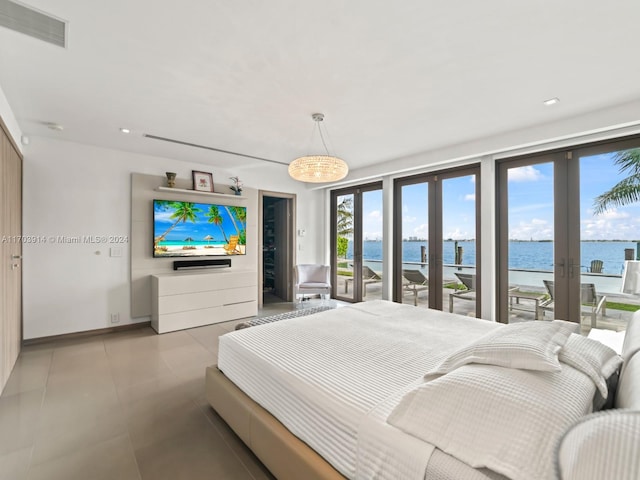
(191, 299)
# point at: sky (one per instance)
(530, 205)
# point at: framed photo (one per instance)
(202, 181)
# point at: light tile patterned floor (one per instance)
(123, 406)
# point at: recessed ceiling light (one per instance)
(125, 130)
(551, 101)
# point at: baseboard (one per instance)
(88, 333)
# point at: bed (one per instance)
(335, 395)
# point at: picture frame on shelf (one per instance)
(202, 181)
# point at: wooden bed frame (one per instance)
(285, 455)
(289, 458)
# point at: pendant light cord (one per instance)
(322, 138)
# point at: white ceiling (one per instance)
(392, 78)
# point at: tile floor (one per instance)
(128, 405)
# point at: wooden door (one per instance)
(11, 255)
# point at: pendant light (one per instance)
(318, 168)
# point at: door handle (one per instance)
(561, 265)
(571, 266)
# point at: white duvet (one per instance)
(334, 378)
(328, 376)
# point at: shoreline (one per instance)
(195, 250)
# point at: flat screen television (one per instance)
(187, 229)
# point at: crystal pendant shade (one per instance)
(318, 169)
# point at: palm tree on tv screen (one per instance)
(626, 191)
(240, 214)
(182, 211)
(214, 217)
(242, 236)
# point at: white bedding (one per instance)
(322, 375)
(458, 413)
(334, 378)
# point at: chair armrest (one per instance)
(544, 303)
(602, 304)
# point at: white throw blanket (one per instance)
(504, 419)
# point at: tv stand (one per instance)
(201, 297)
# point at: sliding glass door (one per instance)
(560, 251)
(437, 241)
(357, 243)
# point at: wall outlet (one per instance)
(115, 318)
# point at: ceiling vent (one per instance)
(33, 23)
(206, 147)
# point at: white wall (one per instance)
(74, 190)
(607, 123)
(9, 119)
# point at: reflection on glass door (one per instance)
(436, 241)
(356, 243)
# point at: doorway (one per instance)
(10, 254)
(277, 252)
(557, 250)
(437, 240)
(356, 243)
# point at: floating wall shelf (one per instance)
(196, 192)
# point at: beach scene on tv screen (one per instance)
(185, 229)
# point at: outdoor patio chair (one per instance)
(310, 278)
(469, 281)
(368, 277)
(592, 303)
(596, 266)
(415, 281)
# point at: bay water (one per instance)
(522, 254)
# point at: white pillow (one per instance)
(592, 358)
(527, 346)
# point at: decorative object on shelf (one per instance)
(202, 181)
(318, 168)
(171, 179)
(238, 185)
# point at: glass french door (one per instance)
(357, 243)
(528, 230)
(561, 253)
(436, 248)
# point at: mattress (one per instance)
(324, 376)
